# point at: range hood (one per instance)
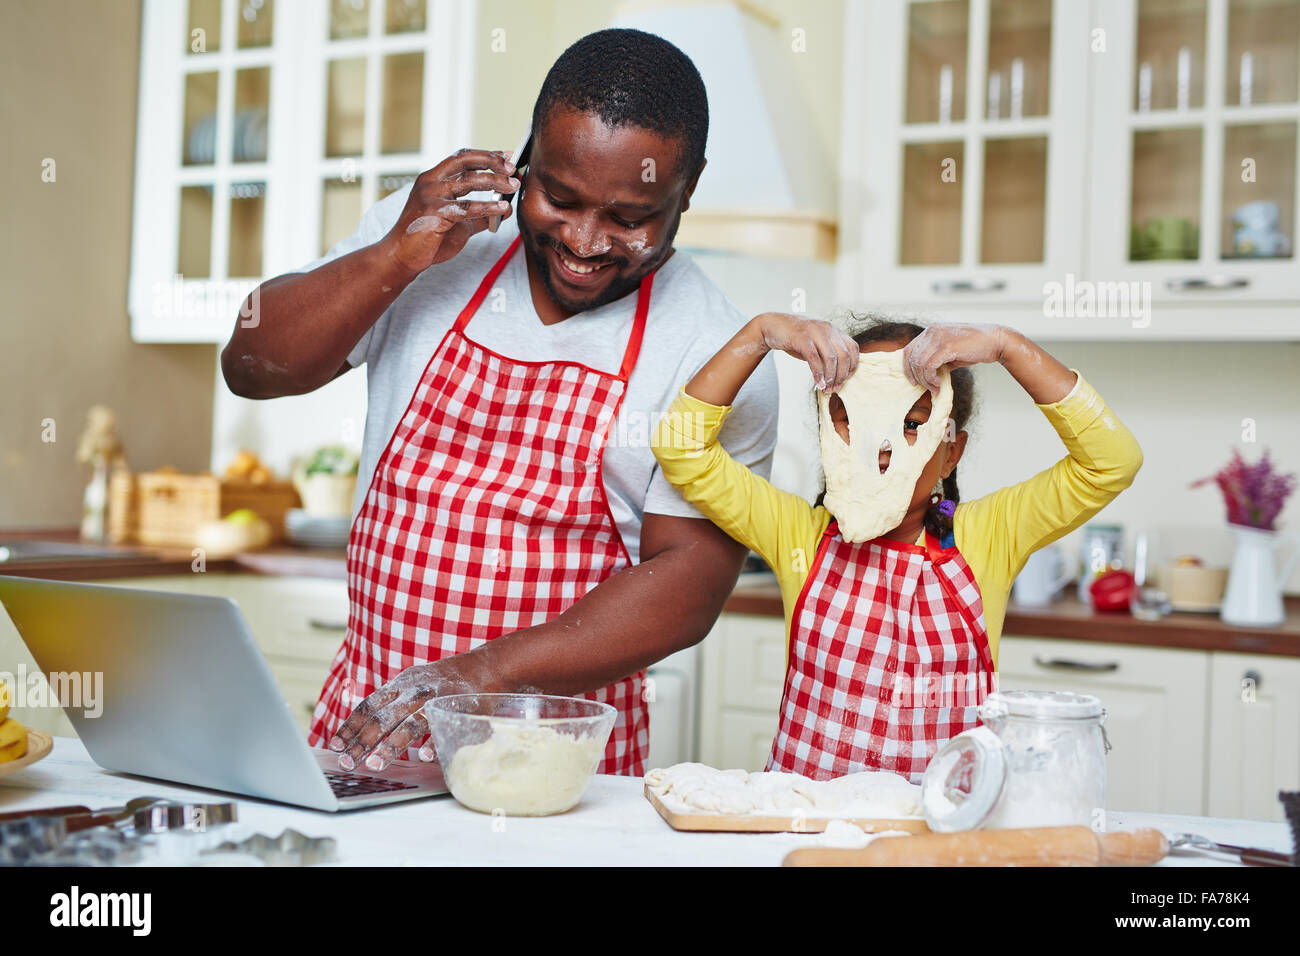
(769, 187)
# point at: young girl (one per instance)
(892, 642)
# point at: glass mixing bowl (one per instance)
(518, 754)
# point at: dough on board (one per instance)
(698, 788)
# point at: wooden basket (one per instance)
(166, 509)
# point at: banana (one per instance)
(6, 698)
(13, 740)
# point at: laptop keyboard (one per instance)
(359, 784)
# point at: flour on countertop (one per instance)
(843, 835)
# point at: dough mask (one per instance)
(877, 397)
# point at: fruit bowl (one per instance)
(39, 745)
(518, 754)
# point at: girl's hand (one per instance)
(829, 351)
(955, 346)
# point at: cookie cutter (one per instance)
(290, 848)
(46, 841)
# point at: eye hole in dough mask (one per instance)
(877, 398)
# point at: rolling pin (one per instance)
(1037, 846)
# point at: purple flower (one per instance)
(1254, 494)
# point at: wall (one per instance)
(68, 83)
(536, 33)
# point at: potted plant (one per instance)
(1254, 495)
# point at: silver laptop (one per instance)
(187, 696)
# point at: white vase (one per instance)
(1254, 594)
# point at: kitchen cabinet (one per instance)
(1254, 746)
(1156, 718)
(265, 130)
(962, 149)
(743, 675)
(1119, 169)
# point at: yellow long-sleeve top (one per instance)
(996, 534)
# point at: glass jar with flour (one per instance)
(1039, 760)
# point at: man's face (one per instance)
(592, 224)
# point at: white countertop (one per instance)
(614, 825)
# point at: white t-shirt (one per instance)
(689, 320)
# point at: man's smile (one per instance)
(575, 271)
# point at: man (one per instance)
(512, 530)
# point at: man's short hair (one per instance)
(632, 78)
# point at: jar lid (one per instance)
(963, 781)
(1043, 704)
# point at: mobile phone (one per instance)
(520, 158)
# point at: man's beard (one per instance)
(535, 247)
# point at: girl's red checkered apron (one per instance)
(889, 658)
(486, 514)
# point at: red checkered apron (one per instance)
(889, 658)
(486, 514)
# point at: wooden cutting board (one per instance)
(749, 823)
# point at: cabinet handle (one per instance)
(1064, 663)
(1252, 675)
(949, 286)
(319, 625)
(1211, 283)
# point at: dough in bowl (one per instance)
(524, 770)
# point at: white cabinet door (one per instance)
(1254, 734)
(747, 739)
(265, 130)
(964, 150)
(1155, 702)
(1194, 158)
(743, 674)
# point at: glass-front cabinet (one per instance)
(1197, 183)
(266, 128)
(968, 157)
(1078, 168)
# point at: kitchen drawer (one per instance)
(753, 657)
(1254, 748)
(1155, 702)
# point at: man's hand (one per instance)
(436, 222)
(392, 718)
